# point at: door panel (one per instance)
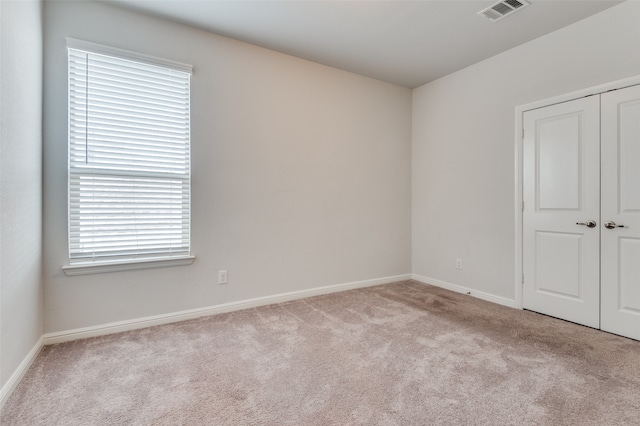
(558, 257)
(561, 187)
(629, 290)
(620, 157)
(558, 165)
(628, 146)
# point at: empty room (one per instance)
(319, 212)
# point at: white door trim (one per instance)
(519, 129)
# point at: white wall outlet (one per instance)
(458, 263)
(222, 277)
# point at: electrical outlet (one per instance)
(458, 263)
(222, 277)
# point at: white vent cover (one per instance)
(499, 10)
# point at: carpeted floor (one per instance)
(397, 354)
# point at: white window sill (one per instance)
(129, 265)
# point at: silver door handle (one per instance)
(611, 225)
(588, 224)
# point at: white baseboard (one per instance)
(17, 375)
(466, 290)
(120, 326)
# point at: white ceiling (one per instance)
(409, 43)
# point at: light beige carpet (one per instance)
(397, 354)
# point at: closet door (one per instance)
(620, 231)
(561, 176)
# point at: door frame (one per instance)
(518, 181)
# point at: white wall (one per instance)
(463, 143)
(301, 174)
(20, 183)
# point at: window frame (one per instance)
(96, 264)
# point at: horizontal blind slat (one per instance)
(99, 128)
(125, 255)
(99, 77)
(142, 69)
(116, 100)
(78, 139)
(132, 118)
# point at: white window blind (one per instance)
(129, 159)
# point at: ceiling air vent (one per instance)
(499, 10)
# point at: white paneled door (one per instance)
(620, 231)
(581, 218)
(562, 211)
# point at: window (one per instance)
(129, 160)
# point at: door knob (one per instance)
(611, 225)
(588, 224)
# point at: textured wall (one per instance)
(301, 173)
(20, 182)
(463, 143)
